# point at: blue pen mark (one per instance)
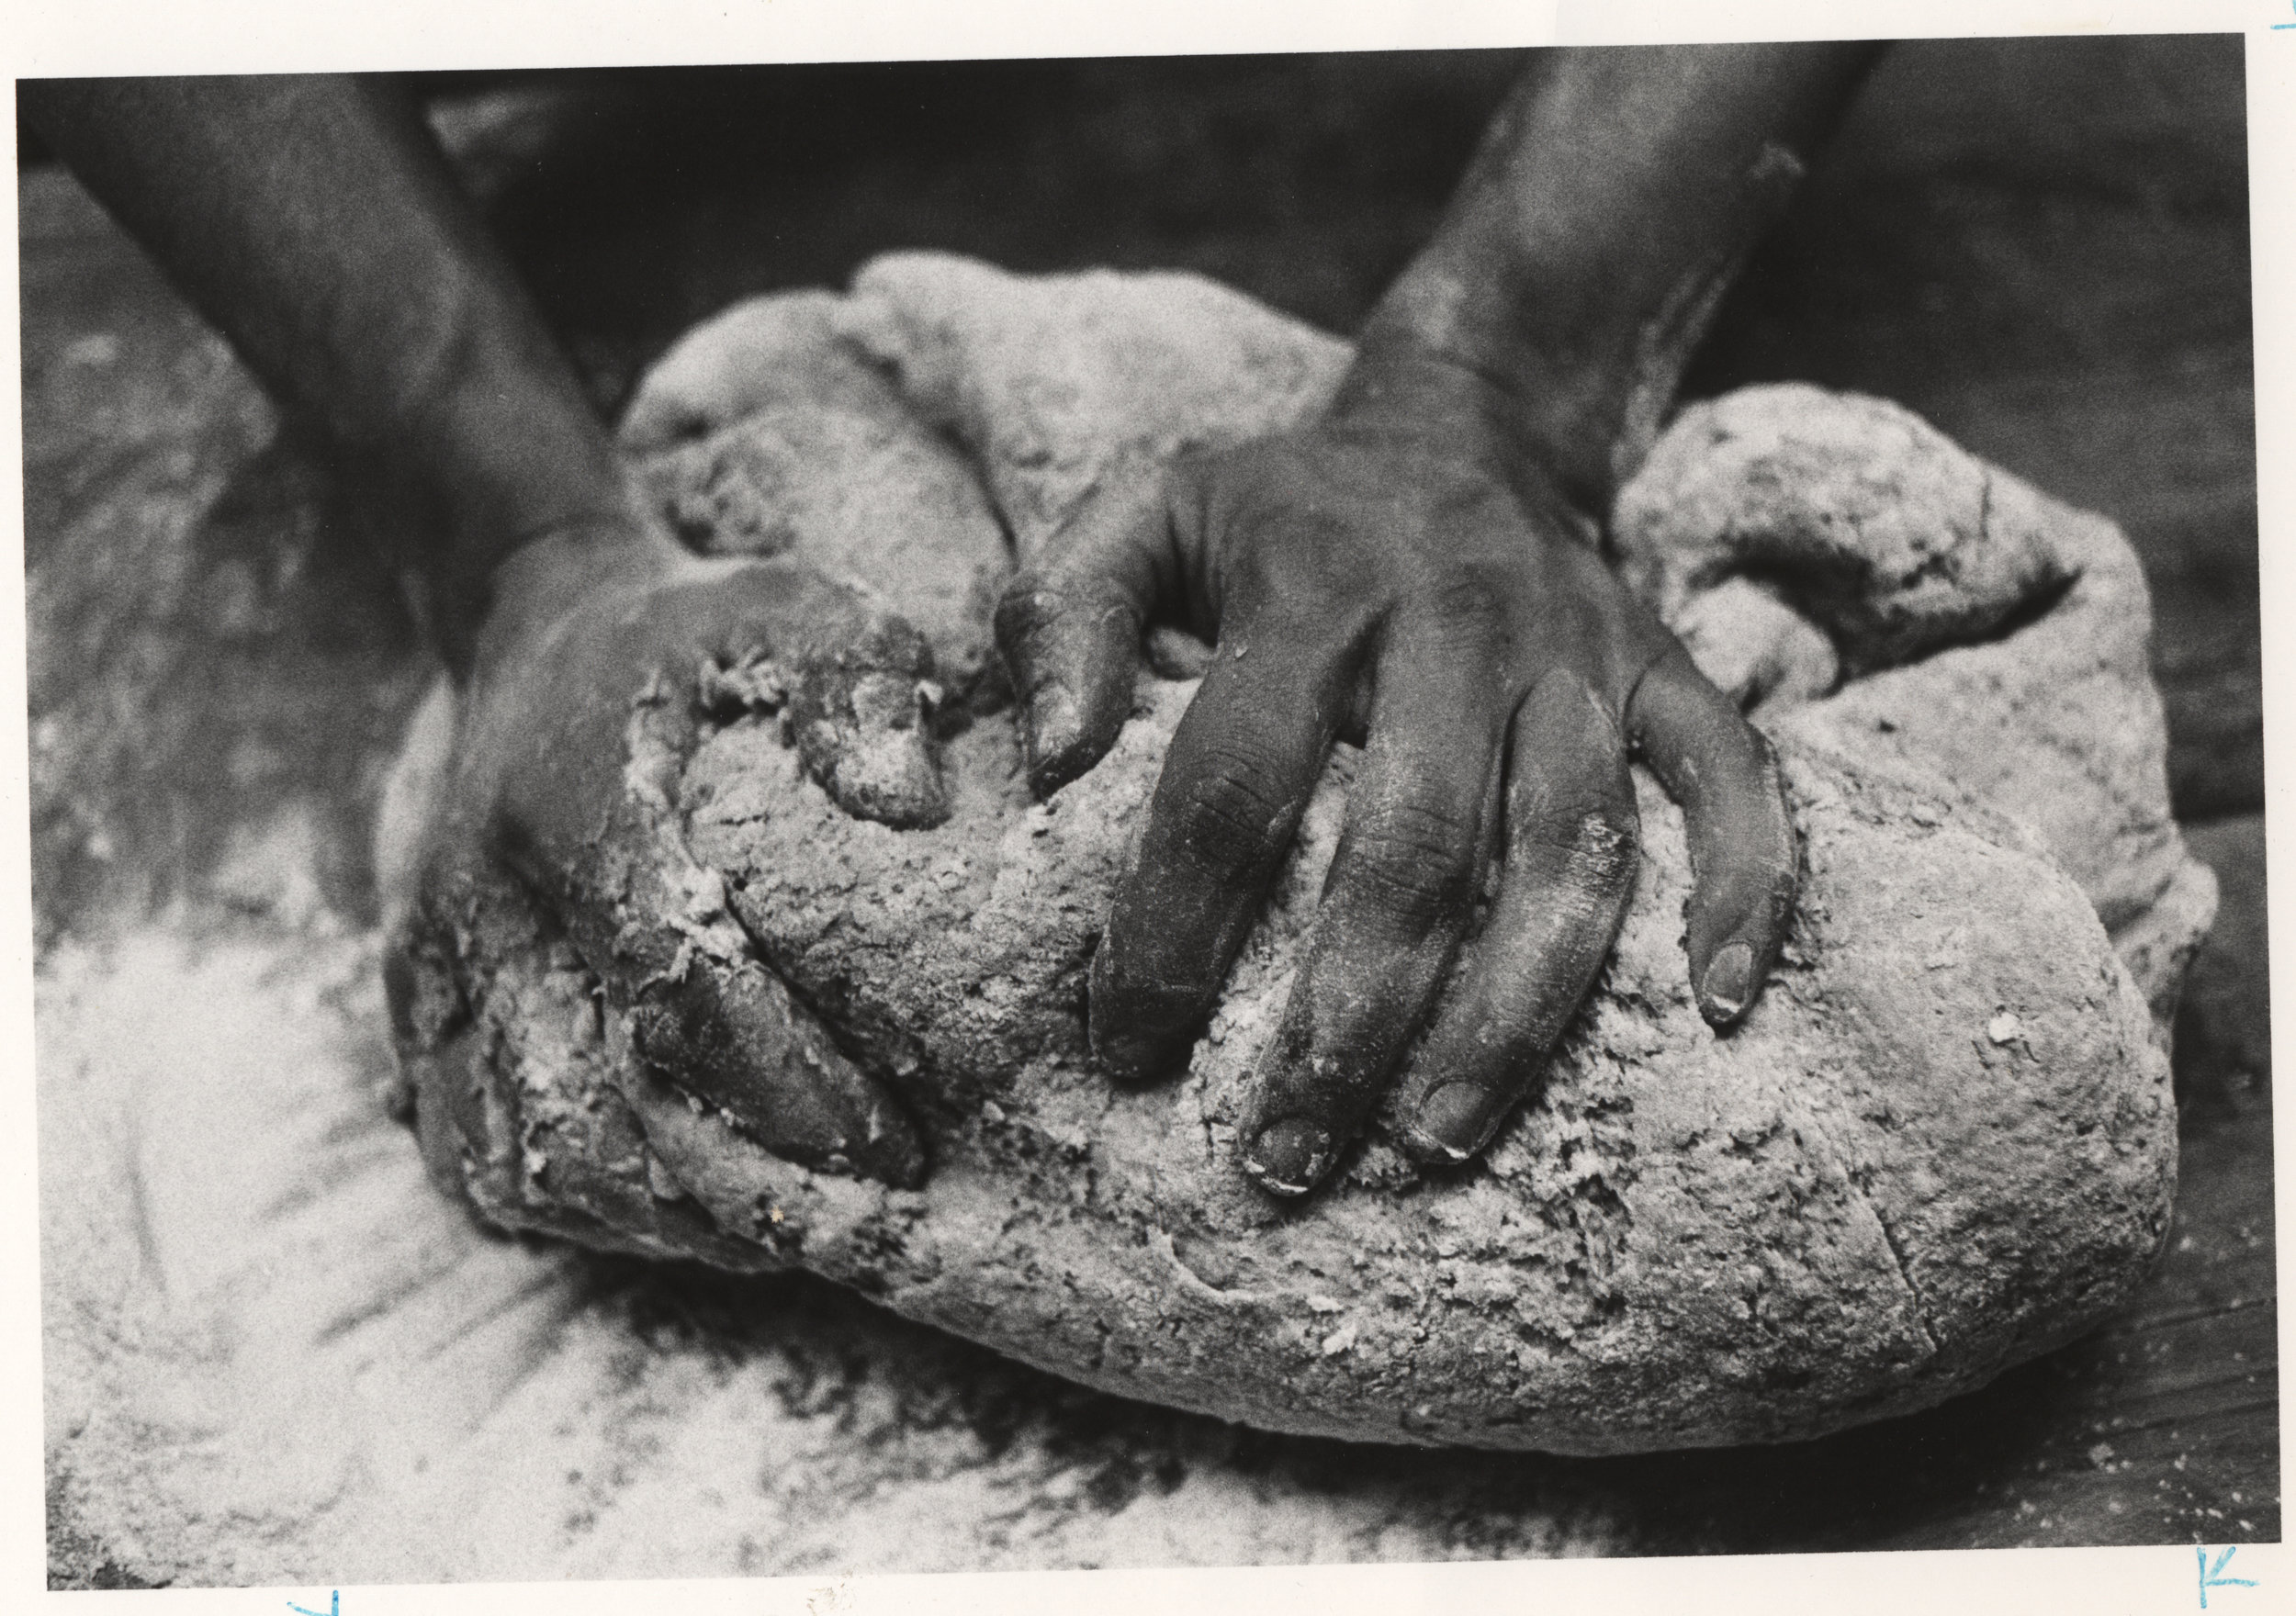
(334, 1605)
(2210, 1576)
(2279, 26)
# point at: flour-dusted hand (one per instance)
(1662, 1162)
(1420, 565)
(604, 654)
(316, 224)
(1392, 573)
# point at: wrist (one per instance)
(516, 488)
(541, 571)
(1463, 404)
(508, 448)
(1600, 224)
(548, 574)
(1567, 377)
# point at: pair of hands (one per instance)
(1401, 572)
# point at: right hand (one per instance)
(1402, 569)
(581, 710)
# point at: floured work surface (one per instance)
(1943, 1141)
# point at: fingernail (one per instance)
(1049, 726)
(1137, 1058)
(903, 1169)
(1730, 982)
(1141, 1030)
(1453, 1118)
(1049, 712)
(892, 1151)
(1289, 1156)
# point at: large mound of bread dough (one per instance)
(1942, 1143)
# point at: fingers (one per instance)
(862, 720)
(1237, 778)
(701, 1014)
(656, 929)
(1398, 897)
(587, 817)
(724, 1029)
(1572, 831)
(1744, 861)
(858, 682)
(1069, 627)
(542, 752)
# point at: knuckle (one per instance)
(1233, 817)
(1601, 852)
(1467, 610)
(1593, 836)
(1567, 754)
(1045, 587)
(1567, 703)
(1046, 640)
(1414, 860)
(1469, 599)
(1257, 586)
(423, 997)
(1024, 603)
(1316, 605)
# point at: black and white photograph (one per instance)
(814, 819)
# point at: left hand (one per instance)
(1400, 569)
(582, 706)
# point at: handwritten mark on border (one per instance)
(2210, 1576)
(334, 1604)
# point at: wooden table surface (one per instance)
(2039, 245)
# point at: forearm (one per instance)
(314, 222)
(1614, 196)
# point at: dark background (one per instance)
(2040, 244)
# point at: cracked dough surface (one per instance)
(1942, 1143)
